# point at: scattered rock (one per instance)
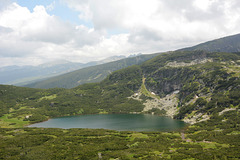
(183, 64)
(167, 103)
(226, 110)
(196, 118)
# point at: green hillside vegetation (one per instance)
(198, 142)
(40, 104)
(226, 44)
(90, 74)
(208, 85)
(215, 83)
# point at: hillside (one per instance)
(225, 44)
(98, 73)
(22, 75)
(198, 87)
(90, 74)
(182, 84)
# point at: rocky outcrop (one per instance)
(167, 103)
(226, 110)
(183, 64)
(194, 118)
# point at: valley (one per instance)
(119, 80)
(198, 87)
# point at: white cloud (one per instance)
(148, 25)
(26, 34)
(160, 20)
(51, 6)
(4, 3)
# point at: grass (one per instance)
(208, 145)
(157, 153)
(173, 134)
(5, 122)
(48, 97)
(235, 69)
(137, 135)
(101, 111)
(234, 133)
(21, 108)
(199, 131)
(145, 91)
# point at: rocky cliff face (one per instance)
(204, 82)
(175, 72)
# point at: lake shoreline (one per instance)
(118, 122)
(102, 114)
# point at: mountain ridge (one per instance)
(21, 75)
(225, 44)
(90, 74)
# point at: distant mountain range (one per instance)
(98, 73)
(20, 75)
(90, 74)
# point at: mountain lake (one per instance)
(119, 122)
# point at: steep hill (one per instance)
(225, 44)
(202, 83)
(89, 74)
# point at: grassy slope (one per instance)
(40, 104)
(6, 122)
(226, 44)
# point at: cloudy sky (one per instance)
(37, 31)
